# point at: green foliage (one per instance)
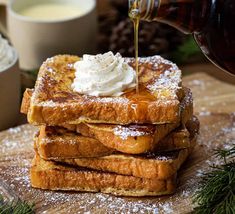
(18, 207)
(32, 73)
(187, 50)
(216, 194)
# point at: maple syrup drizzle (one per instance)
(134, 15)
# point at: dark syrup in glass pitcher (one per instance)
(212, 23)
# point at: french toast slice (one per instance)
(55, 142)
(132, 139)
(151, 165)
(54, 176)
(158, 101)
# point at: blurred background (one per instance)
(115, 33)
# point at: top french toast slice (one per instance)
(158, 101)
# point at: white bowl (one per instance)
(10, 94)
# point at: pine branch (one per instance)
(225, 154)
(18, 207)
(216, 192)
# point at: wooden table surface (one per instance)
(215, 107)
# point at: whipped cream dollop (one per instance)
(103, 75)
(7, 54)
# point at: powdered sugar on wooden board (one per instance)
(17, 139)
(16, 152)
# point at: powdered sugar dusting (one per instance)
(205, 113)
(167, 208)
(156, 60)
(49, 103)
(104, 100)
(188, 99)
(169, 80)
(125, 132)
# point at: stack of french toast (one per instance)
(130, 145)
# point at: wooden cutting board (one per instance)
(215, 107)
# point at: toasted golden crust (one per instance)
(54, 102)
(52, 176)
(54, 142)
(159, 166)
(180, 138)
(25, 104)
(131, 139)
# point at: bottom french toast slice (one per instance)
(54, 176)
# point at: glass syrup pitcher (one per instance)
(212, 23)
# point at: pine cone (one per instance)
(107, 21)
(120, 5)
(154, 38)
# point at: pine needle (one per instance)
(216, 194)
(18, 207)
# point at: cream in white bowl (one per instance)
(7, 54)
(52, 11)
